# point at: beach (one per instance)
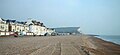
(57, 45)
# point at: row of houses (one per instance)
(30, 27)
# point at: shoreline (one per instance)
(105, 40)
(107, 47)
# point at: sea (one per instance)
(110, 38)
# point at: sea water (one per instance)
(111, 38)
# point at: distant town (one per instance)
(32, 27)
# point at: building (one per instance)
(13, 26)
(3, 25)
(31, 27)
(37, 28)
(22, 26)
(16, 26)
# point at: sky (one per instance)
(92, 16)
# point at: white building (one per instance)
(13, 26)
(37, 28)
(32, 27)
(3, 25)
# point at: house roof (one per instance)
(34, 22)
(1, 19)
(10, 21)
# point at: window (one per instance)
(17, 28)
(2, 27)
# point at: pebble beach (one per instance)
(57, 45)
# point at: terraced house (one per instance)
(3, 25)
(31, 27)
(37, 28)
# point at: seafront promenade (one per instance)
(57, 45)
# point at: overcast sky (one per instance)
(93, 16)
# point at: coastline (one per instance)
(105, 47)
(110, 38)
